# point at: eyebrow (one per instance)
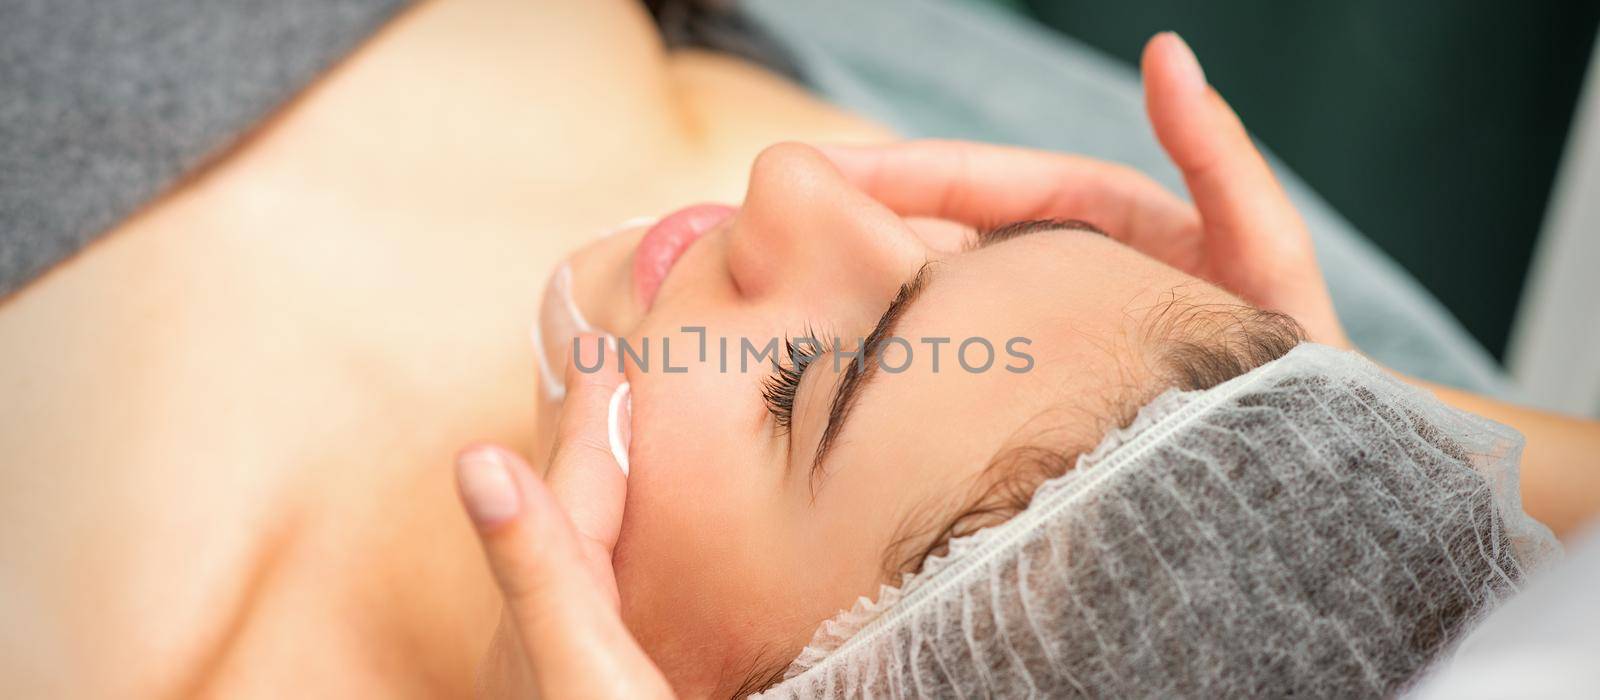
(1016, 229)
(864, 366)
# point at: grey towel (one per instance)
(104, 104)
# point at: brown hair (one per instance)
(1192, 347)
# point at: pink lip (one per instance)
(666, 241)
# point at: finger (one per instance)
(531, 545)
(1238, 196)
(573, 635)
(587, 472)
(505, 671)
(986, 185)
(1256, 243)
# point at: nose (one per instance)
(805, 230)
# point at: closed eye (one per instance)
(780, 387)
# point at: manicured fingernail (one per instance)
(487, 487)
(619, 424)
(1189, 73)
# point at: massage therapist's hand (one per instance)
(1246, 236)
(549, 545)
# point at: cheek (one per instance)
(699, 553)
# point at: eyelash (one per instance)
(779, 388)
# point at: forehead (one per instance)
(1071, 301)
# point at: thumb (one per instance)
(570, 630)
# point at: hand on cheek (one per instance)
(549, 542)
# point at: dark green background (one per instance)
(1435, 126)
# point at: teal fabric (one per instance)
(971, 71)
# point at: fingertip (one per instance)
(1168, 57)
(487, 486)
(588, 359)
(597, 415)
(1193, 123)
(1174, 88)
(1148, 53)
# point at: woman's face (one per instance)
(740, 536)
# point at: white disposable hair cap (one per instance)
(1313, 527)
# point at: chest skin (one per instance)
(227, 424)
